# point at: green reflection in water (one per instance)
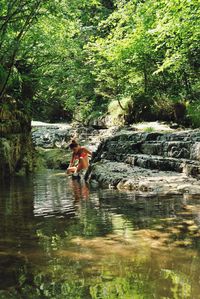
(58, 239)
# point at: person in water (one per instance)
(79, 161)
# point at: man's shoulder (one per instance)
(83, 148)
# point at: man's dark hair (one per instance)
(73, 144)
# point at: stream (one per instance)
(60, 238)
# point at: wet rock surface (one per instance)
(151, 163)
(144, 181)
(50, 135)
(59, 135)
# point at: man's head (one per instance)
(74, 146)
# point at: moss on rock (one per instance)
(16, 154)
(16, 148)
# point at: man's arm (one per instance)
(80, 165)
(71, 163)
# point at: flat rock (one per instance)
(144, 181)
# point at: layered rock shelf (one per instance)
(151, 163)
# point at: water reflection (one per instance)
(52, 197)
(58, 239)
(80, 189)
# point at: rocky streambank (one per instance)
(148, 159)
(51, 141)
(149, 163)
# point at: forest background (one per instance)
(136, 60)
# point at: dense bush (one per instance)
(193, 113)
(70, 59)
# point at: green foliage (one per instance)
(149, 129)
(181, 287)
(193, 112)
(82, 55)
(52, 158)
(2, 75)
(147, 56)
(118, 111)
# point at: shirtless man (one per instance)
(79, 160)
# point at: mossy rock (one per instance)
(13, 121)
(16, 154)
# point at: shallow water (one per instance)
(61, 239)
